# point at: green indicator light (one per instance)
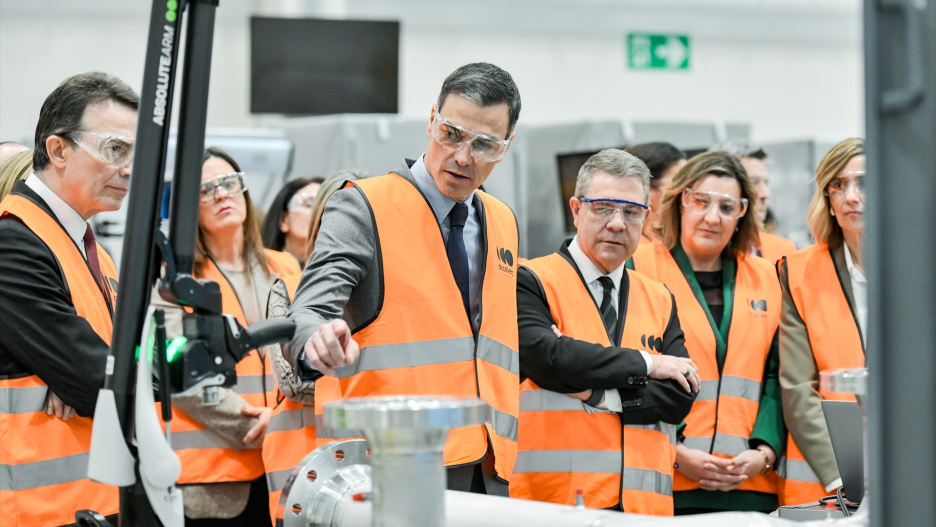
(172, 7)
(174, 351)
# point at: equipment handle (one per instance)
(896, 100)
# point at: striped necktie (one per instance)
(608, 312)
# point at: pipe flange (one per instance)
(327, 475)
(410, 413)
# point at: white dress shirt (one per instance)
(860, 288)
(74, 224)
(591, 274)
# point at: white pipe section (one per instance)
(463, 509)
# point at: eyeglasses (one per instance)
(729, 207)
(230, 184)
(840, 185)
(632, 213)
(758, 179)
(482, 147)
(113, 149)
(301, 201)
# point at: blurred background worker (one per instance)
(607, 372)
(291, 433)
(769, 246)
(9, 148)
(664, 161)
(219, 446)
(58, 288)
(825, 317)
(16, 167)
(286, 225)
(729, 309)
(404, 261)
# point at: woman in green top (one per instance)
(729, 308)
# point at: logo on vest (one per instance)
(506, 260)
(758, 307)
(652, 343)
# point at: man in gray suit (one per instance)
(390, 302)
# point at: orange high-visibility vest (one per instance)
(205, 456)
(563, 444)
(421, 342)
(43, 459)
(816, 290)
(723, 414)
(773, 247)
(290, 436)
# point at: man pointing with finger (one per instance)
(607, 372)
(411, 288)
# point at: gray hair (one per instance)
(616, 163)
(485, 84)
(740, 148)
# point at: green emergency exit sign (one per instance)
(648, 51)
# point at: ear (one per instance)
(429, 125)
(58, 151)
(284, 225)
(576, 207)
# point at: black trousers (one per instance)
(478, 478)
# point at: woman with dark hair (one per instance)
(825, 311)
(664, 160)
(729, 310)
(286, 226)
(219, 446)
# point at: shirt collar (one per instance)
(74, 224)
(440, 203)
(853, 270)
(589, 270)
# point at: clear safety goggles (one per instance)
(301, 201)
(113, 149)
(729, 207)
(852, 179)
(482, 147)
(632, 213)
(230, 184)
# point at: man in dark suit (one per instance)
(603, 356)
(390, 302)
(57, 294)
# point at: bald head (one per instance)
(9, 148)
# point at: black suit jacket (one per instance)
(40, 331)
(567, 365)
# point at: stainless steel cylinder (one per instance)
(406, 436)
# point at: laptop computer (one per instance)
(847, 434)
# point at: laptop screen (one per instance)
(846, 432)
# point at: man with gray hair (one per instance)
(391, 300)
(771, 246)
(607, 372)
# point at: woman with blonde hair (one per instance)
(222, 477)
(17, 167)
(729, 308)
(825, 311)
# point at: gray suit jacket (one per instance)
(342, 278)
(799, 379)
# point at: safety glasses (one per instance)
(113, 149)
(728, 207)
(632, 213)
(852, 179)
(482, 147)
(229, 184)
(301, 201)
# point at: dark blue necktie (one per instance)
(607, 309)
(457, 256)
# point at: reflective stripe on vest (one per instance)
(421, 342)
(729, 401)
(290, 436)
(818, 293)
(206, 457)
(565, 444)
(33, 469)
